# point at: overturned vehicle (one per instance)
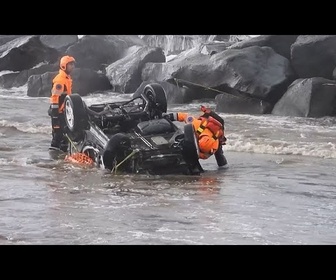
(132, 136)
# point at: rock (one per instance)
(311, 97)
(25, 52)
(314, 56)
(255, 71)
(281, 44)
(85, 81)
(174, 94)
(98, 51)
(125, 74)
(59, 42)
(229, 103)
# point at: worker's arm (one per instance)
(56, 92)
(180, 116)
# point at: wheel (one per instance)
(76, 117)
(157, 96)
(115, 150)
(191, 148)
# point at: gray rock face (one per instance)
(6, 38)
(175, 44)
(125, 74)
(229, 103)
(312, 97)
(98, 51)
(281, 44)
(19, 79)
(25, 52)
(242, 74)
(40, 85)
(58, 42)
(255, 71)
(85, 81)
(314, 56)
(174, 94)
(214, 47)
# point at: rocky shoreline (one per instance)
(289, 75)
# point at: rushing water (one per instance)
(279, 187)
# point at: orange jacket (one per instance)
(62, 86)
(208, 135)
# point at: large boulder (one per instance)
(40, 85)
(175, 44)
(174, 94)
(98, 51)
(85, 81)
(255, 71)
(314, 56)
(311, 97)
(19, 79)
(171, 69)
(6, 38)
(214, 47)
(59, 42)
(281, 44)
(7, 80)
(223, 38)
(237, 104)
(25, 52)
(125, 74)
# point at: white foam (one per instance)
(239, 143)
(15, 93)
(27, 127)
(14, 161)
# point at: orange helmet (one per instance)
(207, 145)
(65, 60)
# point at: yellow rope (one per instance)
(126, 158)
(72, 144)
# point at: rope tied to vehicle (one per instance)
(114, 169)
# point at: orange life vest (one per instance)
(216, 128)
(213, 125)
(210, 131)
(62, 86)
(209, 121)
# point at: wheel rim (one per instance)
(69, 114)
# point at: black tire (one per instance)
(115, 149)
(76, 117)
(190, 148)
(157, 96)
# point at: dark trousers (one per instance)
(58, 129)
(220, 158)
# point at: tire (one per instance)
(157, 96)
(191, 148)
(76, 117)
(115, 149)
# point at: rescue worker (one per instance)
(209, 128)
(61, 86)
